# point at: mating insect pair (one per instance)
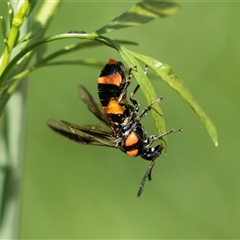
(124, 130)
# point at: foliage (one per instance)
(31, 56)
(13, 71)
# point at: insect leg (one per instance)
(148, 108)
(133, 100)
(126, 83)
(154, 138)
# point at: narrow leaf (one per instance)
(141, 13)
(78, 46)
(145, 85)
(29, 35)
(10, 14)
(167, 74)
(4, 28)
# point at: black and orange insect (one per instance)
(121, 121)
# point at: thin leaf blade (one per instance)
(167, 74)
(141, 13)
(146, 87)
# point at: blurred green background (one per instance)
(75, 191)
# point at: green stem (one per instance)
(31, 47)
(13, 34)
(12, 138)
(17, 21)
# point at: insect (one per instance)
(121, 127)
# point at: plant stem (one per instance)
(12, 137)
(12, 141)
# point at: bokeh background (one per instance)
(75, 191)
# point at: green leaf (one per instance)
(145, 85)
(10, 14)
(167, 74)
(79, 46)
(18, 66)
(4, 28)
(90, 62)
(12, 74)
(147, 89)
(23, 8)
(141, 13)
(29, 36)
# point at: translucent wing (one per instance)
(95, 108)
(88, 135)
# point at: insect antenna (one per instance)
(146, 175)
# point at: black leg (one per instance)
(154, 138)
(133, 100)
(148, 108)
(127, 83)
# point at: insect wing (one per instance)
(95, 108)
(88, 135)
